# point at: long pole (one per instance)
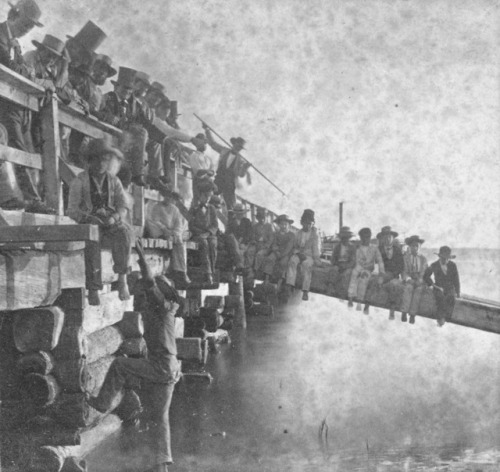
(341, 215)
(227, 144)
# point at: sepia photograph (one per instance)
(250, 236)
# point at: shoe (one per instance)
(366, 311)
(404, 318)
(209, 279)
(37, 206)
(182, 278)
(93, 297)
(350, 304)
(391, 315)
(139, 180)
(305, 296)
(412, 319)
(358, 307)
(440, 322)
(13, 204)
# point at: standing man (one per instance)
(202, 166)
(413, 278)
(97, 197)
(306, 253)
(204, 227)
(263, 238)
(446, 283)
(231, 166)
(281, 250)
(394, 265)
(343, 259)
(158, 303)
(21, 19)
(366, 258)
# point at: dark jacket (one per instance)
(396, 264)
(243, 232)
(203, 223)
(448, 282)
(8, 45)
(350, 259)
(126, 113)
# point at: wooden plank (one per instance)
(87, 125)
(49, 233)
(20, 218)
(18, 89)
(51, 153)
(68, 172)
(16, 156)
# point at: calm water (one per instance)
(322, 388)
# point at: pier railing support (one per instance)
(236, 288)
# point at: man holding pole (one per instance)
(231, 166)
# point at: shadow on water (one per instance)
(322, 388)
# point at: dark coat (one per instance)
(396, 264)
(123, 114)
(448, 282)
(200, 223)
(351, 257)
(243, 232)
(7, 45)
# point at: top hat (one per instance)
(174, 113)
(307, 215)
(387, 230)
(283, 217)
(446, 252)
(364, 231)
(108, 61)
(53, 44)
(260, 211)
(142, 76)
(157, 87)
(345, 231)
(29, 9)
(126, 77)
(414, 239)
(238, 208)
(90, 37)
(238, 141)
(100, 147)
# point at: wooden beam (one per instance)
(68, 172)
(18, 89)
(51, 152)
(25, 234)
(139, 211)
(87, 125)
(16, 156)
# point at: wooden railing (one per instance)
(21, 91)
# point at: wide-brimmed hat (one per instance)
(29, 9)
(108, 61)
(446, 252)
(143, 77)
(90, 37)
(364, 231)
(414, 239)
(283, 217)
(387, 230)
(201, 136)
(51, 43)
(307, 215)
(126, 77)
(345, 231)
(100, 147)
(238, 141)
(157, 87)
(238, 208)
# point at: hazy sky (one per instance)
(392, 106)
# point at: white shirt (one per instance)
(200, 161)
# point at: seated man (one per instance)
(263, 238)
(306, 253)
(164, 220)
(97, 197)
(446, 283)
(366, 258)
(158, 303)
(281, 250)
(343, 259)
(415, 266)
(203, 225)
(238, 237)
(393, 266)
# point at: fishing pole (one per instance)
(227, 144)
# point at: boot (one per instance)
(350, 303)
(139, 180)
(13, 204)
(305, 295)
(412, 319)
(209, 279)
(37, 206)
(404, 318)
(366, 311)
(358, 307)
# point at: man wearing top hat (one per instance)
(97, 197)
(22, 18)
(306, 253)
(231, 166)
(446, 283)
(392, 257)
(415, 265)
(281, 249)
(343, 260)
(262, 240)
(366, 258)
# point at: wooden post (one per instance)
(236, 288)
(51, 152)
